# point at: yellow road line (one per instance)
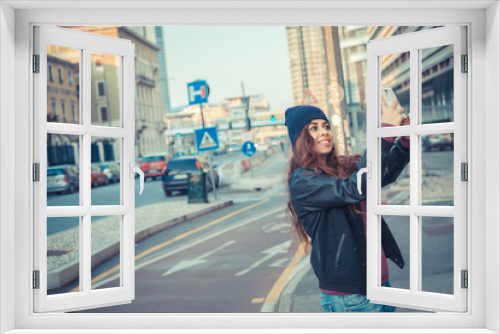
(257, 300)
(280, 284)
(179, 237)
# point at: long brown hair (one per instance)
(303, 155)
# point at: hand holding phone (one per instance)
(389, 97)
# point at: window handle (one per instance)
(134, 170)
(367, 170)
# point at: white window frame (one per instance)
(483, 101)
(85, 43)
(415, 42)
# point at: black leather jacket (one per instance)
(321, 202)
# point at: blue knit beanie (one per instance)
(297, 117)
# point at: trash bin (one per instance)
(197, 187)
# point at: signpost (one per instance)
(207, 140)
(198, 92)
(249, 150)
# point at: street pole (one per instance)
(212, 174)
(212, 179)
(202, 119)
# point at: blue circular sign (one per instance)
(249, 148)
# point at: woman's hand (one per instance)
(392, 115)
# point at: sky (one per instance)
(226, 56)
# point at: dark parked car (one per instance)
(175, 176)
(442, 141)
(64, 178)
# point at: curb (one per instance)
(67, 273)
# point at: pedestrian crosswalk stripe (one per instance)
(207, 141)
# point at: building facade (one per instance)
(148, 100)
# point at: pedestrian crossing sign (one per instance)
(207, 139)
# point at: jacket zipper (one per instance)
(339, 249)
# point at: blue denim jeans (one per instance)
(352, 303)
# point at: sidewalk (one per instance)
(301, 293)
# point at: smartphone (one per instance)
(389, 97)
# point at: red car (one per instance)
(153, 165)
(97, 177)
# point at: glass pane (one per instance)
(437, 254)
(63, 259)
(400, 228)
(105, 90)
(437, 169)
(106, 171)
(105, 251)
(395, 82)
(398, 192)
(63, 171)
(437, 84)
(63, 87)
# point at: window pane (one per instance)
(63, 262)
(63, 88)
(398, 192)
(105, 251)
(437, 254)
(437, 169)
(106, 88)
(106, 171)
(400, 228)
(437, 84)
(395, 81)
(63, 172)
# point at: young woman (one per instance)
(328, 212)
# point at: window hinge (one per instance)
(36, 172)
(36, 279)
(465, 63)
(465, 171)
(36, 63)
(465, 279)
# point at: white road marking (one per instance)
(199, 260)
(270, 253)
(271, 227)
(188, 245)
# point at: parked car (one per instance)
(442, 141)
(175, 176)
(112, 171)
(64, 178)
(97, 177)
(153, 164)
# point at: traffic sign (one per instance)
(308, 98)
(207, 139)
(249, 148)
(198, 92)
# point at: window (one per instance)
(104, 114)
(70, 77)
(420, 212)
(484, 236)
(51, 77)
(73, 112)
(79, 212)
(100, 89)
(60, 75)
(64, 114)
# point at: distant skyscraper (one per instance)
(162, 63)
(307, 65)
